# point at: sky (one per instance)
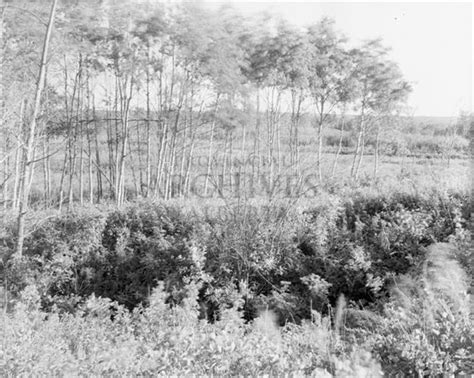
(432, 43)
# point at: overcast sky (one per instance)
(432, 42)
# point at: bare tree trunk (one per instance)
(339, 147)
(161, 159)
(76, 133)
(211, 140)
(72, 169)
(362, 149)
(271, 136)
(359, 142)
(231, 162)
(320, 139)
(221, 184)
(291, 140)
(126, 97)
(148, 134)
(45, 170)
(187, 124)
(277, 124)
(18, 158)
(111, 140)
(17, 176)
(296, 141)
(376, 151)
(97, 152)
(6, 166)
(30, 144)
(2, 111)
(116, 146)
(81, 155)
(68, 141)
(169, 192)
(89, 142)
(190, 163)
(136, 182)
(243, 160)
(139, 187)
(45, 152)
(256, 143)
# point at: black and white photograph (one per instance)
(236, 188)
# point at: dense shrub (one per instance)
(253, 250)
(293, 259)
(141, 245)
(426, 329)
(169, 341)
(246, 268)
(363, 243)
(56, 255)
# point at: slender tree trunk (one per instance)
(111, 140)
(222, 179)
(126, 98)
(161, 160)
(18, 157)
(139, 189)
(359, 142)
(97, 152)
(72, 169)
(116, 146)
(243, 159)
(68, 140)
(45, 171)
(296, 133)
(173, 150)
(148, 134)
(190, 163)
(136, 180)
(30, 143)
(256, 143)
(17, 176)
(362, 150)
(376, 151)
(67, 149)
(3, 129)
(187, 126)
(278, 133)
(81, 155)
(210, 152)
(89, 142)
(320, 139)
(339, 147)
(231, 162)
(270, 133)
(76, 134)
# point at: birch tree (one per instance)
(28, 150)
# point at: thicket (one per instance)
(280, 256)
(103, 338)
(296, 261)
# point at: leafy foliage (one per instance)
(198, 289)
(165, 340)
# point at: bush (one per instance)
(267, 276)
(426, 329)
(359, 246)
(56, 254)
(167, 340)
(141, 245)
(253, 250)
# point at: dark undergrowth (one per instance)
(328, 266)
